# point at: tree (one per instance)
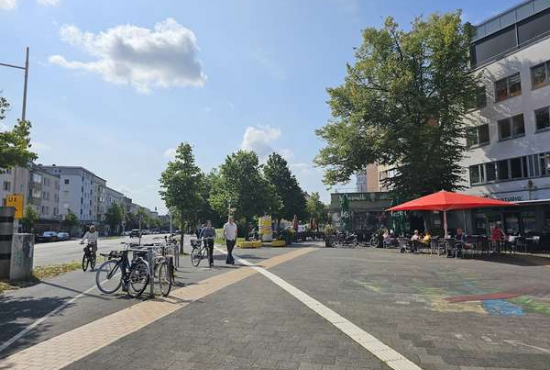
(181, 184)
(316, 209)
(70, 219)
(286, 186)
(239, 182)
(114, 216)
(14, 143)
(403, 105)
(29, 219)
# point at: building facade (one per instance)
(508, 134)
(14, 181)
(81, 191)
(43, 195)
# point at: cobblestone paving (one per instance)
(252, 325)
(401, 299)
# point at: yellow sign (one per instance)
(16, 201)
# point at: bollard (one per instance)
(6, 236)
(22, 255)
(151, 261)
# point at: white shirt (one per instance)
(92, 237)
(230, 231)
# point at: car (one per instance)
(134, 233)
(63, 236)
(47, 236)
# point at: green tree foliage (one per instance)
(70, 219)
(29, 219)
(278, 174)
(181, 184)
(402, 104)
(14, 143)
(316, 209)
(114, 216)
(240, 180)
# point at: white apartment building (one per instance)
(82, 192)
(43, 193)
(509, 134)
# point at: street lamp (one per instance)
(26, 69)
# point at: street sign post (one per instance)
(15, 201)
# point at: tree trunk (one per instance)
(182, 227)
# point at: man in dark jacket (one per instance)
(208, 234)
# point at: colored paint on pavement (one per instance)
(500, 307)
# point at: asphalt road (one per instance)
(71, 250)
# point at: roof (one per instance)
(509, 17)
(75, 168)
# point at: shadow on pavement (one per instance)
(16, 313)
(518, 260)
(73, 290)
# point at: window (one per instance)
(7, 186)
(66, 181)
(502, 170)
(36, 193)
(542, 118)
(490, 171)
(516, 168)
(540, 75)
(508, 87)
(494, 45)
(477, 135)
(534, 27)
(36, 178)
(544, 162)
(511, 127)
(43, 210)
(477, 175)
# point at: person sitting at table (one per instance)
(456, 248)
(415, 239)
(427, 238)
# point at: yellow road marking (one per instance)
(76, 344)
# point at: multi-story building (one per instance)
(81, 192)
(361, 181)
(14, 181)
(43, 193)
(509, 128)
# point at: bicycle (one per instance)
(134, 277)
(200, 251)
(89, 258)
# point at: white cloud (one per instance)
(12, 4)
(49, 2)
(39, 147)
(8, 4)
(170, 153)
(260, 139)
(163, 57)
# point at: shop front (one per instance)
(365, 209)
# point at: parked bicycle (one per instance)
(118, 272)
(89, 258)
(344, 240)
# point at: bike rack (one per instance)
(151, 261)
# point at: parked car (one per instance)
(46, 236)
(63, 236)
(134, 233)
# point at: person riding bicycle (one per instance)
(209, 232)
(91, 236)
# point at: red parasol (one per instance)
(447, 201)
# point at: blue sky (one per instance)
(116, 85)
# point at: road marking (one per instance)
(71, 346)
(388, 355)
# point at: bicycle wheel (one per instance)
(196, 256)
(85, 262)
(138, 279)
(107, 278)
(164, 279)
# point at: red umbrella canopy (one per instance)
(448, 201)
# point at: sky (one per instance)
(116, 85)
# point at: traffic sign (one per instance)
(15, 201)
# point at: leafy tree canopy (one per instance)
(402, 105)
(14, 143)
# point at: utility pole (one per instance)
(24, 110)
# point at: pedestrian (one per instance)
(230, 236)
(498, 237)
(208, 233)
(91, 236)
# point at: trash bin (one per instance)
(22, 256)
(6, 234)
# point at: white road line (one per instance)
(23, 332)
(388, 355)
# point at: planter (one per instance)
(241, 243)
(278, 243)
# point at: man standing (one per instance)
(230, 235)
